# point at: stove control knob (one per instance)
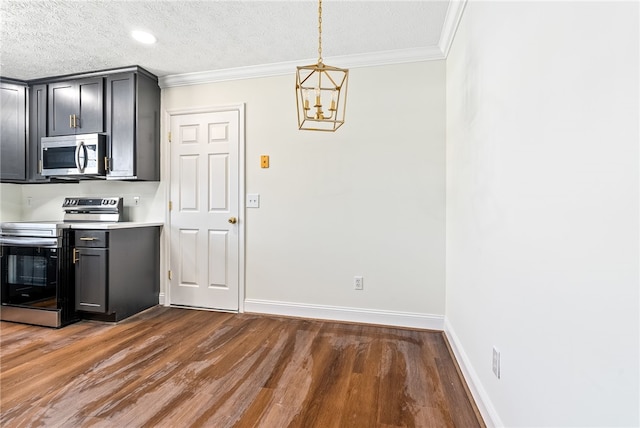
(112, 202)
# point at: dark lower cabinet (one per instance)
(91, 279)
(117, 272)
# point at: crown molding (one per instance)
(289, 67)
(451, 21)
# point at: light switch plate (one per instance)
(253, 200)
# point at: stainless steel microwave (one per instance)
(73, 155)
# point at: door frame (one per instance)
(165, 292)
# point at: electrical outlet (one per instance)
(495, 367)
(358, 283)
(136, 201)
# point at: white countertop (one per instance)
(110, 226)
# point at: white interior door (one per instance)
(205, 210)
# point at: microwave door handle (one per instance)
(77, 155)
(81, 162)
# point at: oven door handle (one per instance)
(29, 242)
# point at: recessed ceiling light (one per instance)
(144, 37)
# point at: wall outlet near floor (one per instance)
(495, 367)
(358, 283)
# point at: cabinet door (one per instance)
(76, 107)
(37, 130)
(91, 279)
(13, 144)
(63, 103)
(90, 108)
(121, 124)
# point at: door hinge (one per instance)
(170, 205)
(169, 136)
(170, 275)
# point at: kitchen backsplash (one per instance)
(37, 202)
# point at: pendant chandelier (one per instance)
(321, 92)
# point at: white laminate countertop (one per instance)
(111, 226)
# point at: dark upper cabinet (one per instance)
(76, 106)
(123, 103)
(37, 130)
(13, 131)
(133, 126)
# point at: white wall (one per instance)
(34, 202)
(542, 209)
(367, 200)
(10, 202)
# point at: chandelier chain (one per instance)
(319, 31)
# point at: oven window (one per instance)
(29, 276)
(27, 270)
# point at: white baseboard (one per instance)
(340, 313)
(161, 299)
(485, 406)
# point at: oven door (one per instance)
(31, 273)
(29, 276)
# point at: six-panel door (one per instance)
(205, 218)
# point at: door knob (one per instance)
(233, 220)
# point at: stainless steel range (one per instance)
(36, 269)
(99, 210)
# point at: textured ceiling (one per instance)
(55, 37)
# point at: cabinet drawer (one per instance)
(92, 239)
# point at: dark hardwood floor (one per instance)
(172, 367)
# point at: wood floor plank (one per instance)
(362, 399)
(177, 367)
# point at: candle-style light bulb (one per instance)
(334, 99)
(318, 105)
(305, 97)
